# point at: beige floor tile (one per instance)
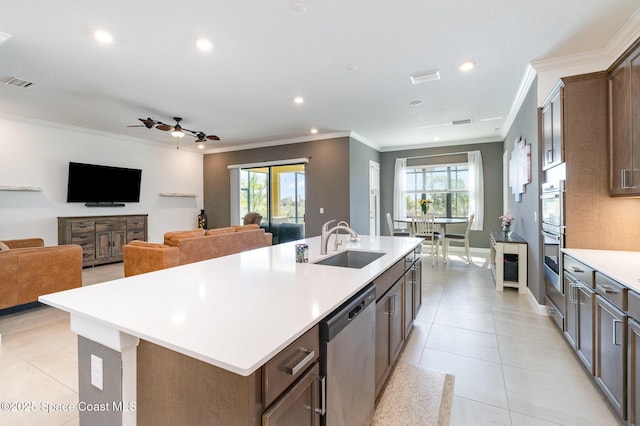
(21, 379)
(565, 400)
(522, 352)
(53, 404)
(465, 412)
(427, 313)
(462, 318)
(518, 419)
(478, 380)
(470, 343)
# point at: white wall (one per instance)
(35, 153)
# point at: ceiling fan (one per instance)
(177, 131)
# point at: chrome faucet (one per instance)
(326, 233)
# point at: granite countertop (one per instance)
(234, 312)
(621, 266)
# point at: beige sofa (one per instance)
(183, 247)
(28, 270)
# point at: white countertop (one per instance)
(621, 266)
(233, 312)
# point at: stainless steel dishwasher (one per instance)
(347, 361)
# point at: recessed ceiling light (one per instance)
(467, 66)
(436, 138)
(491, 119)
(103, 36)
(415, 103)
(299, 100)
(298, 7)
(314, 131)
(4, 37)
(204, 44)
(201, 146)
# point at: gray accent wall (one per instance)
(326, 179)
(492, 174)
(525, 126)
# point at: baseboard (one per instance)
(460, 249)
(538, 308)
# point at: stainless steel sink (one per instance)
(351, 259)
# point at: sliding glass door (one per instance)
(278, 194)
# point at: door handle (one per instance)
(323, 395)
(395, 297)
(310, 355)
(615, 332)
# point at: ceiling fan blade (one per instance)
(165, 127)
(138, 125)
(213, 138)
(148, 122)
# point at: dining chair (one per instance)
(458, 238)
(393, 231)
(425, 227)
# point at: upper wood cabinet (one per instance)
(624, 124)
(551, 128)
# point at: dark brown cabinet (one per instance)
(611, 355)
(389, 331)
(299, 406)
(624, 124)
(633, 375)
(101, 237)
(551, 118)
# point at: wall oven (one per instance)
(553, 234)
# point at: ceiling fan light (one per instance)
(177, 133)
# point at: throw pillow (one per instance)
(4, 247)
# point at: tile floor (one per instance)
(511, 366)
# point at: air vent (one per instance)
(458, 122)
(18, 82)
(424, 77)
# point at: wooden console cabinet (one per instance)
(101, 237)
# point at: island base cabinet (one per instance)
(633, 384)
(611, 356)
(389, 332)
(299, 406)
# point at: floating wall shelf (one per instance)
(178, 194)
(20, 188)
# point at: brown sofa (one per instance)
(182, 247)
(28, 270)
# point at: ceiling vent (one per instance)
(458, 122)
(18, 82)
(424, 77)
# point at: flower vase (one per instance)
(507, 231)
(425, 209)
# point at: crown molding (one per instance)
(264, 144)
(525, 85)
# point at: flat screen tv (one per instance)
(98, 185)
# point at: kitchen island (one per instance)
(233, 313)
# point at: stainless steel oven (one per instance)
(553, 234)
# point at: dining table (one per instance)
(442, 223)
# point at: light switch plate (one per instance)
(96, 371)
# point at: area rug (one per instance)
(415, 396)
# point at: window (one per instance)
(446, 185)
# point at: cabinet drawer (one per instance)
(83, 240)
(611, 290)
(135, 235)
(289, 364)
(634, 306)
(135, 223)
(112, 225)
(579, 270)
(388, 278)
(83, 226)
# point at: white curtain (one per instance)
(400, 190)
(476, 189)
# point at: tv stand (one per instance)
(103, 204)
(101, 237)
